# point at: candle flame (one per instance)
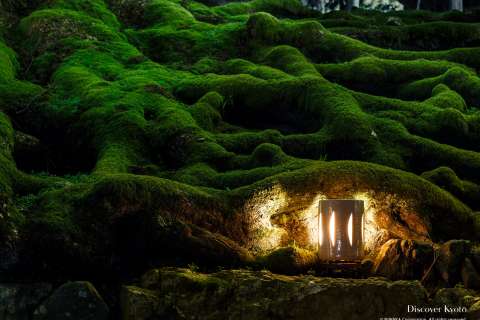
(320, 229)
(350, 229)
(332, 228)
(363, 227)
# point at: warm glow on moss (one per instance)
(277, 220)
(370, 228)
(264, 204)
(314, 226)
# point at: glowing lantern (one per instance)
(341, 222)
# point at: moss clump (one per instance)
(14, 93)
(264, 27)
(371, 74)
(207, 111)
(6, 134)
(93, 8)
(6, 144)
(267, 29)
(443, 97)
(48, 27)
(458, 79)
(446, 178)
(267, 155)
(10, 218)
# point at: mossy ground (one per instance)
(182, 110)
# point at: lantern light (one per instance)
(332, 228)
(350, 229)
(342, 222)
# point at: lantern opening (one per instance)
(320, 230)
(332, 228)
(350, 229)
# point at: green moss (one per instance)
(13, 93)
(190, 110)
(452, 122)
(10, 218)
(173, 34)
(206, 65)
(264, 27)
(458, 79)
(267, 29)
(373, 74)
(206, 111)
(245, 142)
(8, 62)
(47, 28)
(446, 178)
(6, 134)
(236, 66)
(167, 12)
(289, 60)
(267, 155)
(94, 8)
(443, 97)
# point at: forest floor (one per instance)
(163, 133)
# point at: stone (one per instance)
(244, 294)
(451, 257)
(457, 297)
(404, 259)
(367, 266)
(474, 311)
(168, 239)
(197, 244)
(451, 296)
(469, 300)
(289, 260)
(475, 257)
(18, 301)
(8, 257)
(470, 276)
(73, 300)
(137, 303)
